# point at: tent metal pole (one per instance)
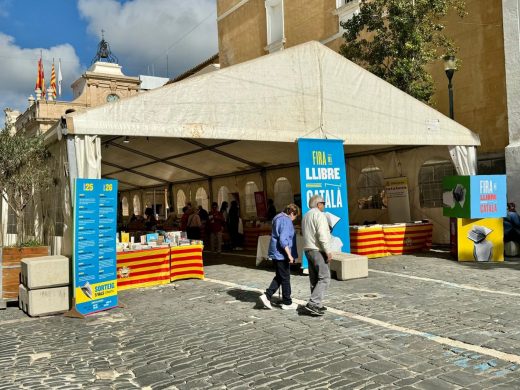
(210, 187)
(73, 166)
(263, 175)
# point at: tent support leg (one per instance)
(263, 174)
(210, 187)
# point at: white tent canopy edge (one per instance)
(305, 91)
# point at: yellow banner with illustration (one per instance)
(91, 292)
(480, 240)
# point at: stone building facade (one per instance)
(103, 82)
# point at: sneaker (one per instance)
(265, 301)
(292, 306)
(313, 310)
(305, 271)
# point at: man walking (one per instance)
(316, 244)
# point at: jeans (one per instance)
(282, 278)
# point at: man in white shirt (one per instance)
(316, 244)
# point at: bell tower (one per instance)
(104, 81)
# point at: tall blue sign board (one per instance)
(322, 172)
(95, 224)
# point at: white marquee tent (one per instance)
(245, 119)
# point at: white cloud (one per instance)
(19, 69)
(141, 32)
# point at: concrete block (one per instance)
(349, 266)
(44, 301)
(45, 271)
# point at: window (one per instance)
(493, 166)
(137, 205)
(341, 3)
(124, 206)
(275, 25)
(370, 188)
(54, 212)
(11, 221)
(201, 197)
(283, 194)
(28, 220)
(430, 182)
(251, 188)
(223, 195)
(346, 9)
(181, 201)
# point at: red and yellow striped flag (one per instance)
(53, 82)
(40, 79)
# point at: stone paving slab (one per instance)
(199, 334)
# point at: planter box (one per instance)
(10, 266)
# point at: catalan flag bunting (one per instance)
(153, 267)
(143, 268)
(53, 82)
(186, 262)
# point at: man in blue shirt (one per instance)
(283, 252)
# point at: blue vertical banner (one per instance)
(323, 172)
(95, 230)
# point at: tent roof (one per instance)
(241, 119)
(280, 97)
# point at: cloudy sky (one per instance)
(143, 34)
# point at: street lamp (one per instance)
(450, 66)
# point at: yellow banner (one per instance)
(480, 239)
(91, 292)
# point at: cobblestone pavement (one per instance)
(399, 328)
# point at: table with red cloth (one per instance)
(368, 241)
(394, 239)
(186, 262)
(156, 266)
(143, 268)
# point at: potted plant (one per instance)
(24, 175)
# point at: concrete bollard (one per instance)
(44, 272)
(349, 266)
(44, 301)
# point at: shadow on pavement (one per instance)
(245, 296)
(253, 297)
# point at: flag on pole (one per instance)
(60, 78)
(53, 82)
(40, 79)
